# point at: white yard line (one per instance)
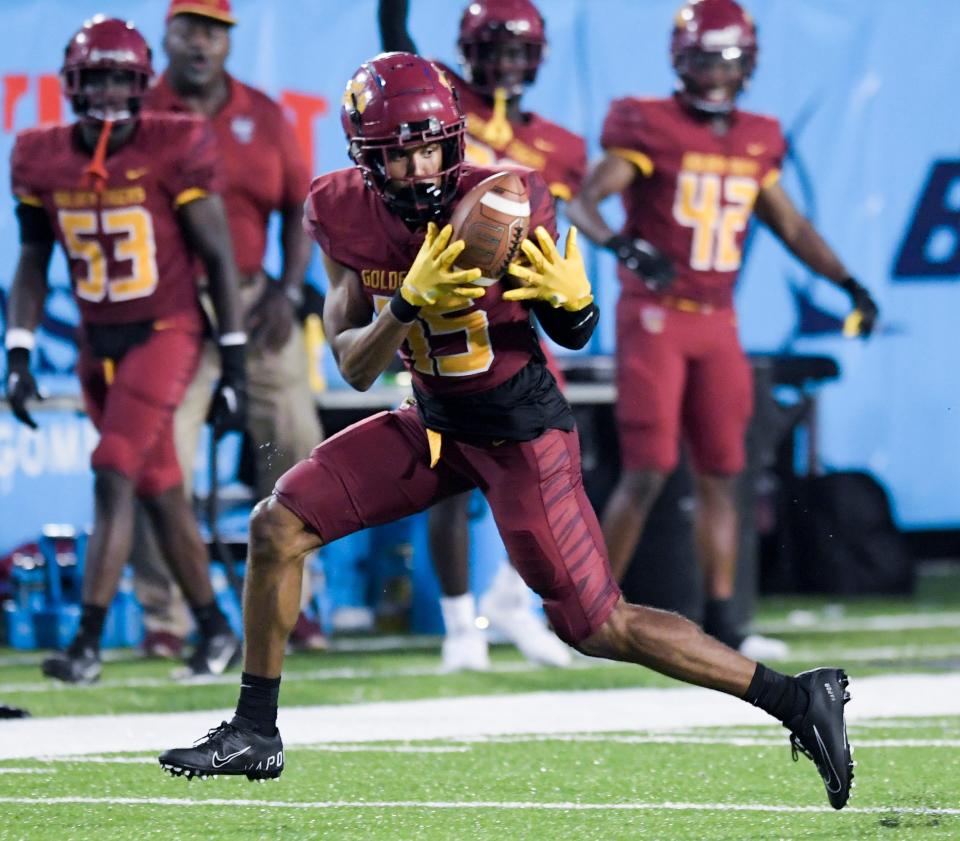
(472, 804)
(152, 760)
(28, 770)
(816, 623)
(593, 711)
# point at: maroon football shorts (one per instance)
(378, 470)
(681, 372)
(134, 412)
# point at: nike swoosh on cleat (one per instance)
(831, 771)
(217, 762)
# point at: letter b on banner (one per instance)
(931, 248)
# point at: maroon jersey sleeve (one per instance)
(770, 130)
(194, 169)
(626, 132)
(566, 163)
(316, 213)
(24, 161)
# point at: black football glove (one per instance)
(228, 411)
(862, 320)
(645, 261)
(21, 386)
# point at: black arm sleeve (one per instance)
(568, 329)
(35, 225)
(392, 16)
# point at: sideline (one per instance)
(473, 804)
(593, 711)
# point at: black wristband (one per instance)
(18, 359)
(616, 242)
(850, 285)
(233, 362)
(402, 309)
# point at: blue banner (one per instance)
(859, 87)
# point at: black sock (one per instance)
(780, 695)
(719, 622)
(90, 632)
(210, 619)
(258, 702)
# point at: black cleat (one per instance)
(12, 712)
(821, 733)
(78, 664)
(232, 749)
(213, 655)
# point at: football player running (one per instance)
(691, 170)
(487, 415)
(132, 201)
(501, 45)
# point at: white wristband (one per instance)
(20, 337)
(235, 338)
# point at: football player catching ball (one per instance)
(487, 415)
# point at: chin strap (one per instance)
(95, 174)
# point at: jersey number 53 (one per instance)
(130, 244)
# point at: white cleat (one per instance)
(757, 647)
(510, 614)
(465, 651)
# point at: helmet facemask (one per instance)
(504, 60)
(415, 199)
(96, 105)
(711, 80)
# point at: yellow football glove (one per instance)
(432, 276)
(560, 281)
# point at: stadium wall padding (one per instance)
(865, 92)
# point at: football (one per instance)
(492, 219)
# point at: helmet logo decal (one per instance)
(113, 55)
(729, 36)
(356, 96)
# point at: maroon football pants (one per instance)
(378, 470)
(132, 406)
(681, 372)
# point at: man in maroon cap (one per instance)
(264, 172)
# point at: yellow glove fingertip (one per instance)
(852, 324)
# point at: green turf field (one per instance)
(731, 782)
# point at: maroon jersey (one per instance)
(263, 167)
(469, 350)
(697, 191)
(560, 156)
(127, 255)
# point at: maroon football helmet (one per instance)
(714, 51)
(502, 43)
(399, 101)
(105, 44)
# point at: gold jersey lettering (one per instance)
(381, 279)
(114, 197)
